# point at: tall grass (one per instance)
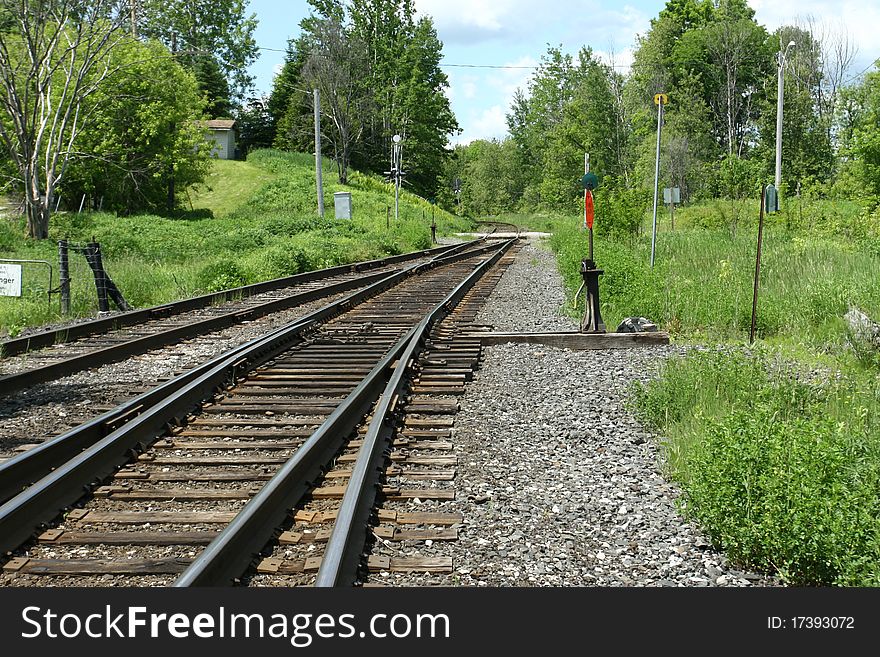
(274, 232)
(781, 468)
(702, 282)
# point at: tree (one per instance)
(380, 69)
(490, 175)
(572, 109)
(54, 57)
(336, 67)
(408, 89)
(213, 86)
(196, 29)
(255, 125)
(125, 151)
(287, 84)
(863, 146)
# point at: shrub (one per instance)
(782, 471)
(221, 275)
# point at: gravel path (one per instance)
(557, 481)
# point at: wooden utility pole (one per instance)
(172, 127)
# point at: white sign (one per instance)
(10, 280)
(671, 195)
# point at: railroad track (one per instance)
(50, 355)
(267, 448)
(489, 227)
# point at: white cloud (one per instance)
(489, 123)
(857, 19)
(466, 20)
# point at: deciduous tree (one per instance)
(55, 55)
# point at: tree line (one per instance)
(718, 67)
(103, 100)
(376, 66)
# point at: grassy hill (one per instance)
(250, 221)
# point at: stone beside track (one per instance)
(558, 483)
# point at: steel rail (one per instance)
(118, 352)
(500, 223)
(230, 554)
(342, 554)
(23, 469)
(48, 338)
(43, 500)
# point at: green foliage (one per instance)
(378, 66)
(701, 284)
(216, 27)
(269, 232)
(145, 125)
(620, 210)
(863, 134)
(221, 275)
(781, 472)
(572, 109)
(489, 176)
(254, 125)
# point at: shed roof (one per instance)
(221, 124)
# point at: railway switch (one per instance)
(592, 321)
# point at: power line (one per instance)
(856, 77)
(534, 66)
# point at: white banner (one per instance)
(10, 280)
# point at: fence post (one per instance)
(64, 274)
(93, 257)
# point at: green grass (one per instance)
(229, 185)
(701, 286)
(230, 239)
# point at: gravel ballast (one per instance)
(558, 483)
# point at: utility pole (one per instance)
(780, 88)
(173, 128)
(397, 171)
(659, 100)
(319, 180)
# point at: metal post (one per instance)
(319, 181)
(656, 181)
(780, 89)
(64, 274)
(757, 269)
(587, 191)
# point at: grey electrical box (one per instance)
(771, 200)
(342, 202)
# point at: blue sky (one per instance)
(515, 33)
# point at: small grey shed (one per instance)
(222, 133)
